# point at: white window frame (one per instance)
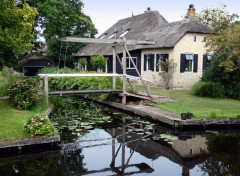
(80, 66)
(191, 64)
(106, 66)
(123, 34)
(209, 58)
(103, 36)
(148, 62)
(128, 64)
(159, 68)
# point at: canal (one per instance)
(97, 140)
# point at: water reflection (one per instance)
(126, 145)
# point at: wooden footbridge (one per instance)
(126, 78)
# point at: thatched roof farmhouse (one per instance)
(183, 41)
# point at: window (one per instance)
(113, 35)
(106, 66)
(130, 64)
(161, 57)
(204, 39)
(189, 63)
(191, 151)
(123, 34)
(206, 61)
(104, 36)
(194, 38)
(148, 62)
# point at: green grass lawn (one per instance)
(12, 121)
(199, 106)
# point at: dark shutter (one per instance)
(182, 63)
(195, 63)
(152, 61)
(205, 59)
(145, 62)
(157, 62)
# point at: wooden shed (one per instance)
(32, 63)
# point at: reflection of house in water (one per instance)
(191, 147)
(178, 152)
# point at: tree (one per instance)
(225, 65)
(16, 30)
(212, 16)
(167, 70)
(61, 18)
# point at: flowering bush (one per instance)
(23, 93)
(38, 125)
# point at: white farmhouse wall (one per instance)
(154, 75)
(187, 46)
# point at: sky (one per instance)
(105, 13)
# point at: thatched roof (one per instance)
(147, 26)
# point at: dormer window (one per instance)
(123, 34)
(104, 36)
(111, 36)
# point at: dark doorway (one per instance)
(31, 71)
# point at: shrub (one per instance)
(6, 80)
(236, 91)
(38, 125)
(23, 93)
(81, 83)
(98, 62)
(208, 89)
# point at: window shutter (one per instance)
(157, 61)
(205, 59)
(182, 63)
(152, 61)
(165, 57)
(145, 62)
(195, 62)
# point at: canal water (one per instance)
(96, 140)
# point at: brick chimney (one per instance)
(191, 11)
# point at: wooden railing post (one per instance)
(40, 86)
(134, 86)
(46, 87)
(114, 67)
(148, 86)
(124, 98)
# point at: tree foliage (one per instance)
(16, 30)
(61, 18)
(212, 16)
(224, 44)
(98, 62)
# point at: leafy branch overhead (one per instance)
(61, 18)
(16, 35)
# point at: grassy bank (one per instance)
(13, 120)
(199, 106)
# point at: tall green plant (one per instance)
(98, 62)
